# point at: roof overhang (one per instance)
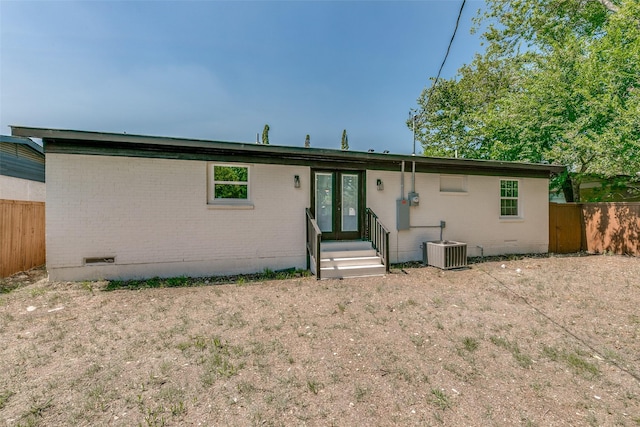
(116, 144)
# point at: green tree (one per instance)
(265, 135)
(558, 82)
(345, 141)
(307, 141)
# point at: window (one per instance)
(229, 184)
(509, 198)
(453, 183)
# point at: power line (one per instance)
(591, 347)
(444, 60)
(455, 30)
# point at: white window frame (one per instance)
(228, 202)
(517, 198)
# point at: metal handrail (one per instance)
(314, 237)
(378, 235)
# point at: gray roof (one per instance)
(21, 158)
(23, 141)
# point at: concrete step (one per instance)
(347, 254)
(352, 258)
(344, 245)
(339, 272)
(350, 261)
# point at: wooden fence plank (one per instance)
(595, 227)
(553, 225)
(22, 236)
(565, 229)
(612, 227)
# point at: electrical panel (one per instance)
(402, 214)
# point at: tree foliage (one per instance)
(344, 145)
(265, 135)
(559, 82)
(307, 141)
(231, 182)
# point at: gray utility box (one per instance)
(402, 214)
(445, 254)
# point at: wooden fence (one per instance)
(22, 238)
(565, 228)
(595, 227)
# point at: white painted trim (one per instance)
(454, 193)
(211, 200)
(229, 206)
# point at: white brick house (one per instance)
(128, 206)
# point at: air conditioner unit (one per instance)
(445, 254)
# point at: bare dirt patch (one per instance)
(533, 341)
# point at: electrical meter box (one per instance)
(402, 214)
(414, 199)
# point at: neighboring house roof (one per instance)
(619, 188)
(115, 144)
(21, 158)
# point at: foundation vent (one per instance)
(445, 254)
(99, 260)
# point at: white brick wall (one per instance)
(12, 188)
(472, 217)
(152, 216)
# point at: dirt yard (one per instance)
(532, 341)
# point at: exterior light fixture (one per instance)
(296, 181)
(379, 184)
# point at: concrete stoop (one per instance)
(341, 259)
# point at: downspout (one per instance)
(402, 197)
(413, 177)
(402, 182)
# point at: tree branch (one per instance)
(609, 5)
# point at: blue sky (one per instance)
(220, 70)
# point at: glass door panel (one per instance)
(338, 204)
(324, 201)
(349, 202)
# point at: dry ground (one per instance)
(532, 341)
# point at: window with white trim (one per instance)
(229, 184)
(509, 198)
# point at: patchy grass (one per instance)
(314, 386)
(470, 344)
(440, 399)
(4, 396)
(542, 341)
(524, 360)
(178, 282)
(573, 359)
